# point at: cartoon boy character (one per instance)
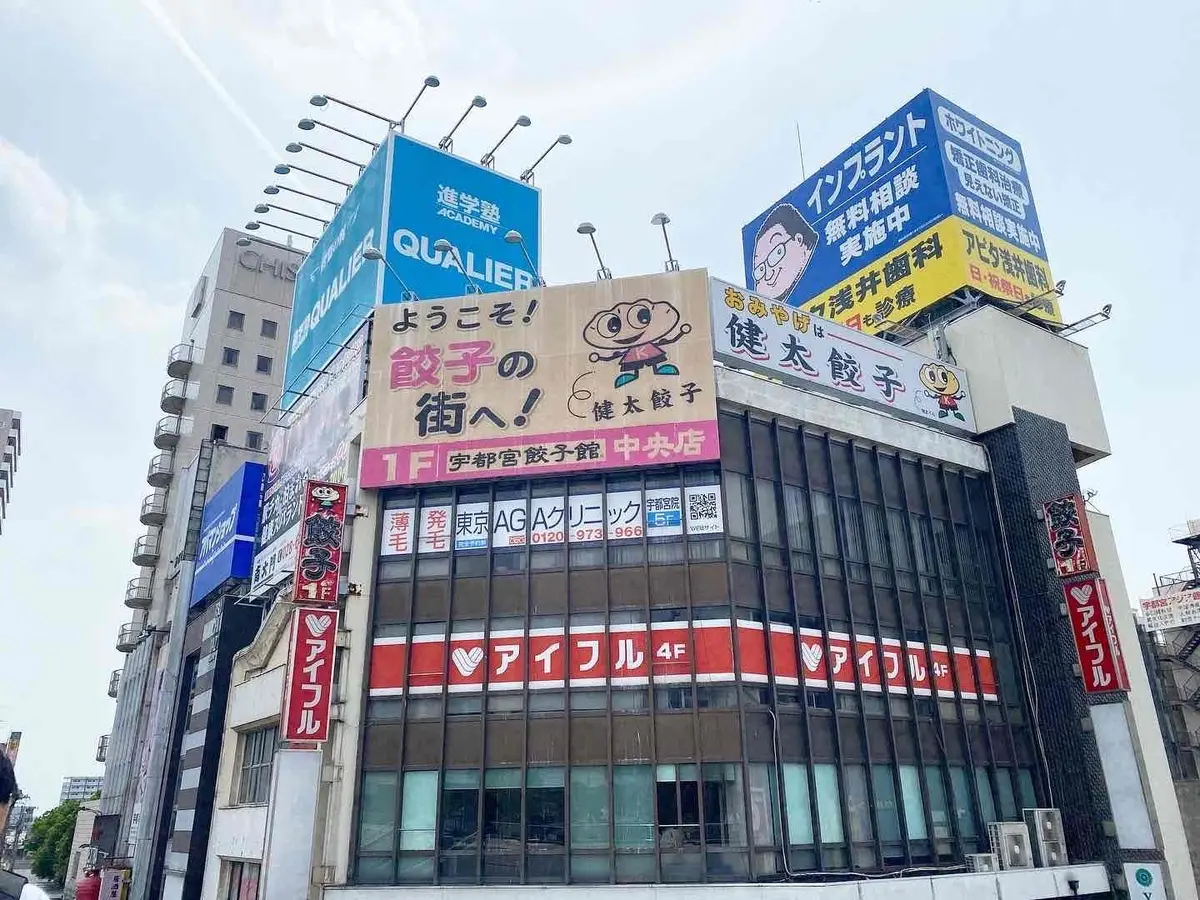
(636, 332)
(942, 384)
(783, 248)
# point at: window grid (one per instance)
(258, 758)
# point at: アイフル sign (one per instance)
(319, 555)
(1096, 642)
(309, 694)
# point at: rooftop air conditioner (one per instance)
(1046, 836)
(982, 862)
(1010, 842)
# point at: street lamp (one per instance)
(489, 159)
(255, 224)
(273, 189)
(297, 146)
(444, 246)
(320, 100)
(431, 81)
(447, 143)
(288, 168)
(513, 236)
(263, 208)
(527, 175)
(373, 254)
(310, 124)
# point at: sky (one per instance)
(132, 132)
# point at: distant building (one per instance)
(10, 449)
(80, 787)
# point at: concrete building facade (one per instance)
(222, 382)
(80, 787)
(10, 451)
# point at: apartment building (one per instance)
(10, 450)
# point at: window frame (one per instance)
(256, 759)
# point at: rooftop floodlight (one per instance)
(263, 208)
(374, 255)
(320, 100)
(286, 169)
(310, 124)
(447, 143)
(243, 242)
(297, 146)
(489, 159)
(1087, 322)
(661, 219)
(444, 246)
(587, 228)
(513, 236)
(527, 175)
(431, 81)
(274, 189)
(255, 224)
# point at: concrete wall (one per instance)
(1012, 363)
(1143, 719)
(1188, 793)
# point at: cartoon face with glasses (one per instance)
(783, 249)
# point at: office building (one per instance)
(793, 629)
(10, 451)
(222, 381)
(80, 787)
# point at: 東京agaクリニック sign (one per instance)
(609, 374)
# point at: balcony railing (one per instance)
(174, 393)
(102, 749)
(179, 360)
(160, 471)
(166, 432)
(138, 592)
(154, 508)
(114, 682)
(145, 549)
(128, 637)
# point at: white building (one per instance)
(80, 787)
(10, 450)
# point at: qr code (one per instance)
(702, 506)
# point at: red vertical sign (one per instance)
(1095, 640)
(1070, 537)
(310, 674)
(319, 553)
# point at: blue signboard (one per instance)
(335, 287)
(434, 195)
(927, 160)
(227, 528)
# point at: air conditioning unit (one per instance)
(982, 862)
(1046, 835)
(91, 858)
(1010, 843)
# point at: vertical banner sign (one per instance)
(1095, 637)
(319, 558)
(310, 676)
(1070, 538)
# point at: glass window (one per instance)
(1008, 800)
(460, 810)
(829, 809)
(1025, 786)
(229, 356)
(764, 801)
(590, 809)
(677, 799)
(937, 802)
(852, 530)
(887, 814)
(923, 538)
(724, 804)
(545, 807)
(219, 432)
(224, 394)
(914, 812)
(876, 530)
(858, 802)
(258, 756)
(258, 402)
(241, 880)
(797, 810)
(254, 440)
(418, 809)
(964, 816)
(795, 511)
(377, 812)
(669, 698)
(737, 501)
(633, 807)
(768, 512)
(501, 809)
(263, 365)
(236, 321)
(826, 529)
(269, 329)
(898, 536)
(983, 790)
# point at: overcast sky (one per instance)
(130, 133)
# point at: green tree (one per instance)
(49, 841)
